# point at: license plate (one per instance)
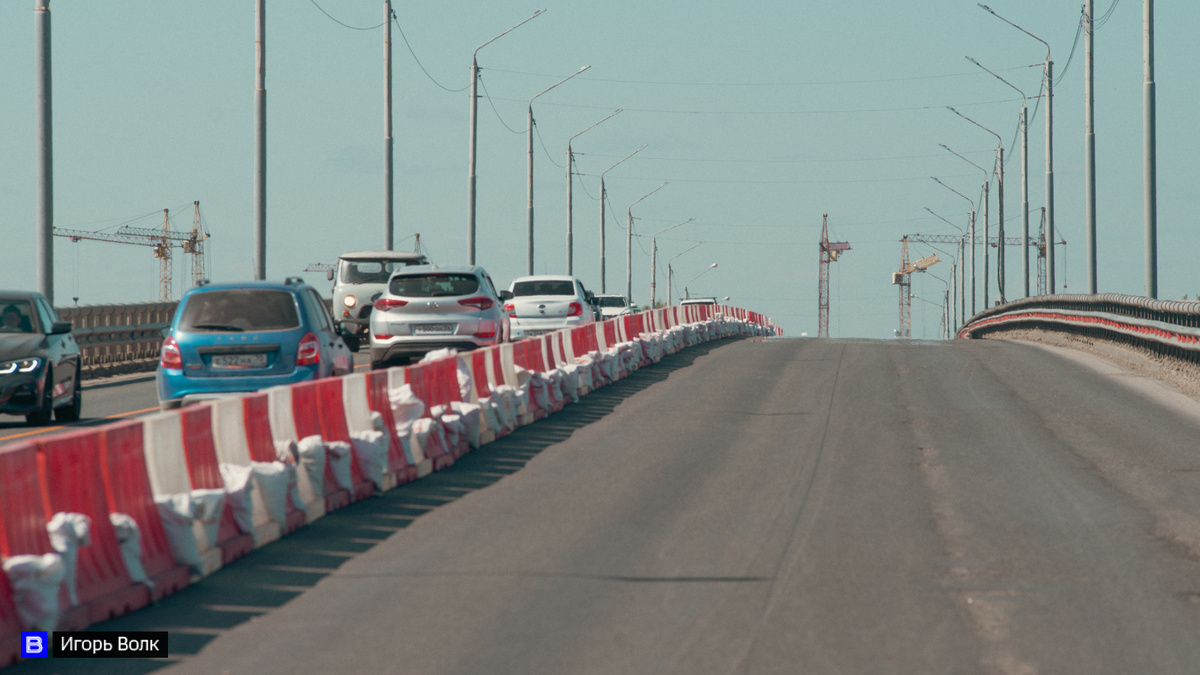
(433, 329)
(239, 361)
(537, 333)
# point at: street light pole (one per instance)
(387, 125)
(44, 226)
(1149, 150)
(1025, 185)
(570, 210)
(629, 244)
(1000, 224)
(474, 128)
(1048, 74)
(529, 137)
(686, 294)
(958, 262)
(670, 278)
(603, 284)
(654, 258)
(971, 236)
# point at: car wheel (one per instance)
(72, 411)
(42, 416)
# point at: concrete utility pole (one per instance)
(603, 285)
(570, 207)
(1149, 144)
(1000, 199)
(529, 137)
(387, 125)
(629, 244)
(654, 260)
(1089, 146)
(45, 165)
(474, 129)
(260, 141)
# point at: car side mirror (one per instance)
(329, 274)
(60, 327)
(506, 295)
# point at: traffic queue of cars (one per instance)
(232, 338)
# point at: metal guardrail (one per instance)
(1170, 327)
(118, 339)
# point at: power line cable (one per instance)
(419, 64)
(344, 25)
(493, 104)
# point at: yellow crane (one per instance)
(162, 241)
(903, 279)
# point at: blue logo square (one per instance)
(35, 644)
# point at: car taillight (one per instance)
(481, 302)
(486, 336)
(510, 308)
(171, 356)
(575, 309)
(383, 336)
(384, 304)
(309, 352)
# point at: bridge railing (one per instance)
(1169, 327)
(117, 339)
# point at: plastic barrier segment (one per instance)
(332, 412)
(127, 487)
(70, 468)
(260, 443)
(306, 416)
(205, 474)
(23, 520)
(379, 400)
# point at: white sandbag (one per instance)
(181, 514)
(311, 471)
(239, 488)
(444, 352)
(471, 416)
(371, 449)
(275, 480)
(129, 538)
(36, 581)
(287, 452)
(339, 453)
(69, 531)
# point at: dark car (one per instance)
(39, 360)
(241, 337)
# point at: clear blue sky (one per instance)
(763, 116)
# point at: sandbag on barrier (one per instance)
(306, 420)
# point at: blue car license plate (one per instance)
(239, 361)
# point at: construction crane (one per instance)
(903, 278)
(829, 253)
(162, 241)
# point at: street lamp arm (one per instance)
(622, 160)
(1025, 99)
(955, 192)
(646, 195)
(960, 230)
(985, 173)
(556, 84)
(531, 18)
(592, 127)
(998, 139)
(682, 252)
(991, 11)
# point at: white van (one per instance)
(358, 280)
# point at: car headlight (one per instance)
(20, 366)
(349, 301)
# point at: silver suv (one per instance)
(358, 279)
(427, 307)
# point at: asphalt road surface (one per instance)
(754, 506)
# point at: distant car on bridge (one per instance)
(537, 305)
(613, 306)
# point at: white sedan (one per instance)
(537, 305)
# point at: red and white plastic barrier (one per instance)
(99, 521)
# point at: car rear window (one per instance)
(433, 285)
(611, 302)
(544, 287)
(239, 310)
(373, 271)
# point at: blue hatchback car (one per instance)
(234, 338)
